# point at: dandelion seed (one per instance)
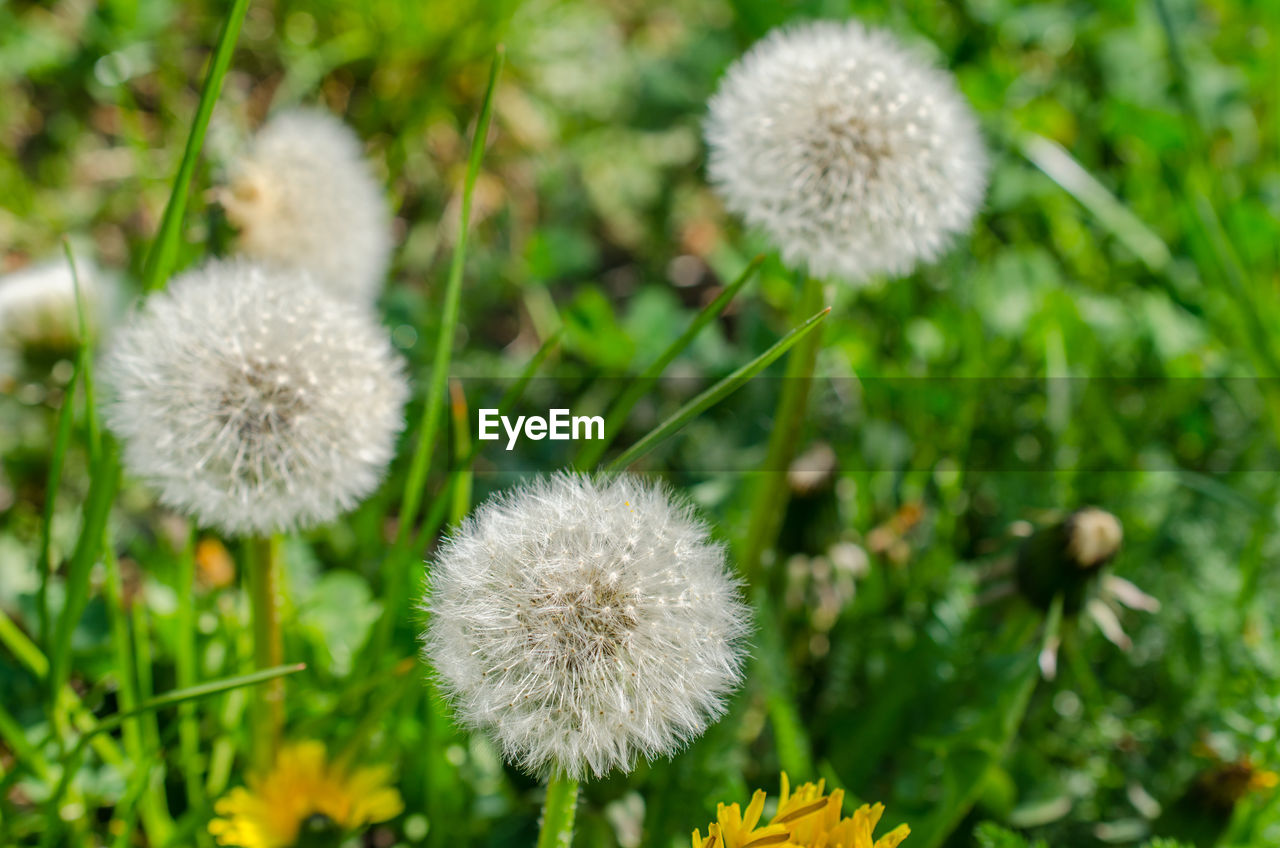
(585, 622)
(252, 400)
(806, 818)
(38, 303)
(304, 196)
(851, 153)
(305, 796)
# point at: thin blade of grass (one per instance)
(715, 394)
(460, 501)
(97, 508)
(430, 422)
(1059, 166)
(164, 249)
(635, 390)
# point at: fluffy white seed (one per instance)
(38, 303)
(852, 154)
(585, 623)
(252, 400)
(304, 196)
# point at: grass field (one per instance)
(1105, 336)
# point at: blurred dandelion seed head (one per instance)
(585, 622)
(304, 196)
(852, 154)
(254, 401)
(38, 303)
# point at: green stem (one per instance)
(153, 807)
(788, 419)
(187, 672)
(164, 249)
(268, 647)
(558, 812)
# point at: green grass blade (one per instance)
(1059, 166)
(62, 438)
(515, 392)
(635, 390)
(164, 250)
(430, 422)
(715, 394)
(178, 696)
(27, 652)
(97, 508)
(460, 501)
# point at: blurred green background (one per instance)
(1130, 232)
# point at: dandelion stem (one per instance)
(788, 418)
(268, 647)
(558, 812)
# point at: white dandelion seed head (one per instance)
(252, 400)
(304, 196)
(38, 303)
(585, 622)
(852, 154)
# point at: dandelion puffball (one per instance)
(38, 303)
(252, 400)
(304, 196)
(852, 154)
(584, 622)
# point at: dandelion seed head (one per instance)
(38, 303)
(304, 196)
(852, 154)
(585, 622)
(253, 400)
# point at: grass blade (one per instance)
(715, 394)
(1059, 166)
(430, 423)
(97, 508)
(617, 415)
(164, 249)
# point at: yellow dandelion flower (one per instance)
(807, 818)
(304, 793)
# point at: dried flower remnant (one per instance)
(304, 196)
(851, 153)
(254, 401)
(585, 622)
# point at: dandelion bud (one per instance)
(252, 400)
(585, 622)
(1093, 536)
(1066, 557)
(852, 154)
(304, 196)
